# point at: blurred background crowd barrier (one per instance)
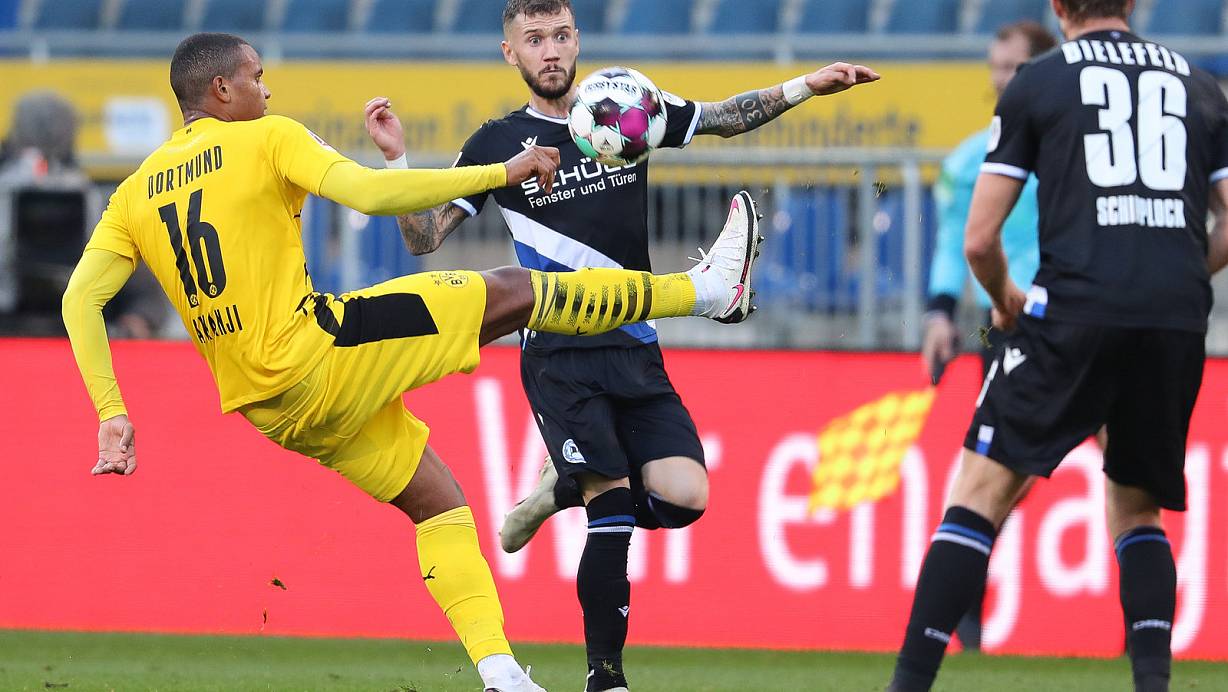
(846, 183)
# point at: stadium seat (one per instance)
(402, 17)
(8, 14)
(658, 17)
(924, 17)
(320, 16)
(590, 15)
(151, 15)
(1187, 17)
(834, 17)
(479, 17)
(999, 13)
(69, 14)
(238, 16)
(741, 17)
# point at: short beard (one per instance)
(549, 94)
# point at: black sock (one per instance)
(969, 628)
(603, 588)
(951, 577)
(1148, 599)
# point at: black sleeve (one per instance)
(1219, 152)
(476, 152)
(681, 119)
(1013, 143)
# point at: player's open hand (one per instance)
(533, 162)
(385, 128)
(839, 77)
(116, 447)
(1006, 316)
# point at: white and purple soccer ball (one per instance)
(618, 117)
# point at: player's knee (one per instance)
(674, 513)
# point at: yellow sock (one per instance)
(592, 301)
(459, 579)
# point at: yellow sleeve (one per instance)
(393, 192)
(111, 233)
(297, 154)
(98, 277)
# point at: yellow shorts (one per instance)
(388, 339)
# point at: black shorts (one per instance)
(607, 411)
(1054, 384)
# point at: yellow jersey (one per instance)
(215, 213)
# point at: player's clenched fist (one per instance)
(533, 162)
(116, 447)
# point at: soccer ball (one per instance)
(618, 117)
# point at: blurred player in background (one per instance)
(324, 375)
(1130, 144)
(616, 430)
(1013, 45)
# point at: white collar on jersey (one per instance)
(542, 116)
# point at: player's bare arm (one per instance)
(425, 231)
(1217, 243)
(753, 109)
(992, 200)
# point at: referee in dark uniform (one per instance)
(1130, 145)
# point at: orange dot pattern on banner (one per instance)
(860, 453)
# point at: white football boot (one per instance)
(520, 524)
(722, 277)
(523, 683)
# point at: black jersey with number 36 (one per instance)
(1126, 138)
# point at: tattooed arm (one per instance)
(424, 232)
(753, 109)
(742, 113)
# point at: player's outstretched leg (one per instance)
(457, 575)
(594, 301)
(1148, 586)
(955, 567)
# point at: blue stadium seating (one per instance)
(1190, 17)
(479, 17)
(741, 17)
(658, 17)
(151, 15)
(69, 14)
(590, 15)
(834, 17)
(924, 17)
(1001, 12)
(402, 17)
(317, 16)
(238, 16)
(8, 14)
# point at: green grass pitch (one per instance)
(73, 662)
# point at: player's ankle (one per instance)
(709, 290)
(499, 670)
